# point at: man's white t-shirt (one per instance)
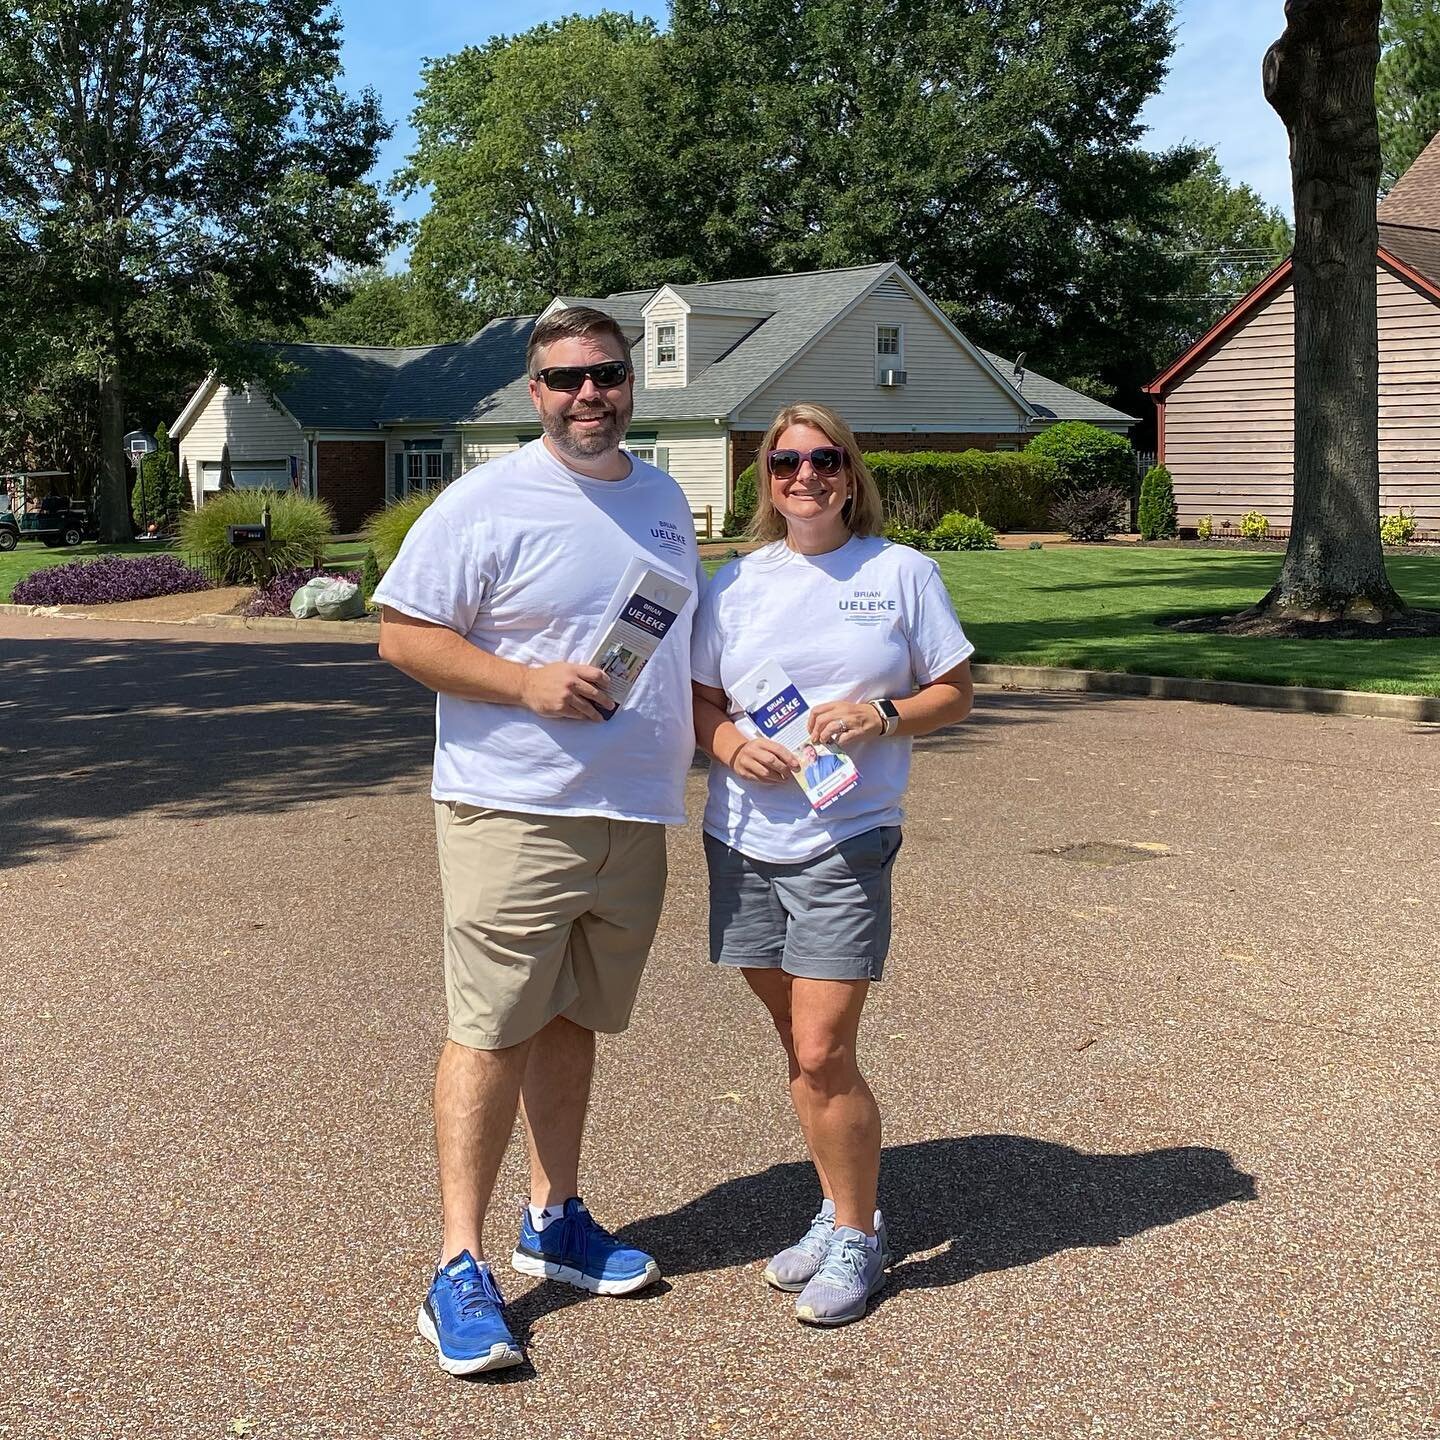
(521, 556)
(869, 621)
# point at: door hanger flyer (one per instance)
(778, 711)
(644, 606)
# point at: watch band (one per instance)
(889, 715)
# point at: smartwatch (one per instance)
(889, 714)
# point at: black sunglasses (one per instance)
(607, 375)
(824, 460)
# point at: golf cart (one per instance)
(31, 509)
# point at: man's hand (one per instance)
(765, 760)
(562, 689)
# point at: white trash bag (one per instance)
(327, 597)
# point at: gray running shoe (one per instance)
(848, 1276)
(793, 1267)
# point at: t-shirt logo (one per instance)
(669, 536)
(868, 607)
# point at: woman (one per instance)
(799, 898)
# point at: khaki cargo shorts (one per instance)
(545, 915)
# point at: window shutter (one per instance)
(447, 466)
(399, 477)
(662, 457)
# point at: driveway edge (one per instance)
(1376, 705)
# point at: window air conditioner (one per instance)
(892, 377)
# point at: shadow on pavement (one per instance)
(954, 1209)
(95, 730)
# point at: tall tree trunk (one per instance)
(1320, 79)
(112, 490)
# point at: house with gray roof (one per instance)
(359, 426)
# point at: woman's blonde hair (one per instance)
(863, 512)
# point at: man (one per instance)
(549, 818)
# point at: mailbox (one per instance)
(246, 534)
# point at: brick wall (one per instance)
(351, 480)
(745, 444)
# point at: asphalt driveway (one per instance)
(1160, 1112)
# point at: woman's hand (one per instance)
(764, 760)
(842, 722)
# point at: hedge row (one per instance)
(1008, 490)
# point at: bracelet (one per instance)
(889, 716)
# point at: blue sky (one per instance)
(1212, 95)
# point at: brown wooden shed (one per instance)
(1225, 408)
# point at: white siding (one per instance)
(395, 445)
(696, 455)
(708, 337)
(1230, 427)
(248, 423)
(945, 386)
(479, 445)
(667, 310)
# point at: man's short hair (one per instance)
(573, 323)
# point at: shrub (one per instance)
(108, 580)
(742, 502)
(275, 596)
(1091, 514)
(299, 531)
(1253, 525)
(386, 529)
(369, 573)
(962, 532)
(159, 492)
(1205, 527)
(1397, 529)
(1009, 490)
(1157, 505)
(1088, 457)
(910, 535)
(1036, 545)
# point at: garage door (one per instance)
(250, 475)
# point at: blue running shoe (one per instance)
(582, 1253)
(461, 1318)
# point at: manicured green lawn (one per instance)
(26, 557)
(346, 552)
(1094, 608)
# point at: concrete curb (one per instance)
(1422, 708)
(365, 632)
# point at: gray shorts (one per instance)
(822, 919)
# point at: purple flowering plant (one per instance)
(275, 597)
(109, 580)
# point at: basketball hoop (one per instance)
(137, 445)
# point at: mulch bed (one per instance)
(1413, 625)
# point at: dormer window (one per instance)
(665, 345)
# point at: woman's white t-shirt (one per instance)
(521, 556)
(869, 621)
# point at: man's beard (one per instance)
(596, 440)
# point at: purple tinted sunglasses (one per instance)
(824, 460)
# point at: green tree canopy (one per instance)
(1407, 84)
(175, 175)
(995, 151)
(519, 146)
(380, 308)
